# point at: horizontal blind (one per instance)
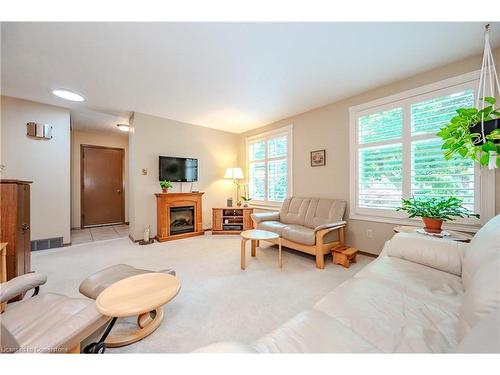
(257, 180)
(381, 126)
(431, 115)
(380, 177)
(433, 176)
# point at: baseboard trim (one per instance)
(368, 254)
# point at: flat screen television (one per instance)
(178, 169)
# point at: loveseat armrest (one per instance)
(441, 254)
(265, 216)
(20, 284)
(226, 347)
(335, 225)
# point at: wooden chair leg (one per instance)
(320, 259)
(243, 243)
(254, 245)
(341, 236)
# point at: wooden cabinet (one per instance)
(15, 226)
(231, 220)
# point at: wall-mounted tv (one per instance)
(178, 169)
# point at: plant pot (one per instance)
(489, 126)
(164, 190)
(432, 225)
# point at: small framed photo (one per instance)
(318, 158)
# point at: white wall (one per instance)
(96, 138)
(328, 128)
(151, 137)
(45, 162)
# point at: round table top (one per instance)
(454, 235)
(137, 294)
(258, 234)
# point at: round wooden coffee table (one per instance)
(142, 296)
(256, 235)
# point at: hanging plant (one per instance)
(463, 135)
(474, 132)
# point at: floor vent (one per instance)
(45, 244)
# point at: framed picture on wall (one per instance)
(318, 158)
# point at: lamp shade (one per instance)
(233, 173)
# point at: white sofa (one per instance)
(421, 295)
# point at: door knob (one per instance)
(118, 191)
(25, 227)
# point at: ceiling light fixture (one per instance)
(123, 127)
(68, 95)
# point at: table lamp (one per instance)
(235, 174)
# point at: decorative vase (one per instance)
(432, 225)
(245, 204)
(164, 190)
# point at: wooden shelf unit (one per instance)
(231, 220)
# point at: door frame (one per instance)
(82, 147)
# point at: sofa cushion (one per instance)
(482, 296)
(417, 280)
(300, 234)
(293, 210)
(45, 322)
(483, 248)
(390, 319)
(437, 253)
(323, 211)
(313, 332)
(272, 226)
(483, 338)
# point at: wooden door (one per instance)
(102, 196)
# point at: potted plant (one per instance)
(245, 196)
(434, 211)
(463, 135)
(165, 185)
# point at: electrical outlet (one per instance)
(369, 233)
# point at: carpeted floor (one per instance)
(217, 301)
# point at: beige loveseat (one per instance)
(311, 225)
(422, 295)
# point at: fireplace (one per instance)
(178, 215)
(181, 219)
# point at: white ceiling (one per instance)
(230, 76)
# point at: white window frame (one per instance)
(484, 179)
(288, 131)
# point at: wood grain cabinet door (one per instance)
(247, 219)
(216, 219)
(102, 193)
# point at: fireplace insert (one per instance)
(181, 219)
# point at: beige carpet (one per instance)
(217, 300)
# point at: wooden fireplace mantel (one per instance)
(166, 200)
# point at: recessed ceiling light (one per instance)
(123, 127)
(68, 95)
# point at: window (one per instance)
(269, 166)
(396, 154)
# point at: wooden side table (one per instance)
(256, 235)
(142, 296)
(454, 235)
(231, 220)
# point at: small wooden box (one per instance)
(344, 255)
